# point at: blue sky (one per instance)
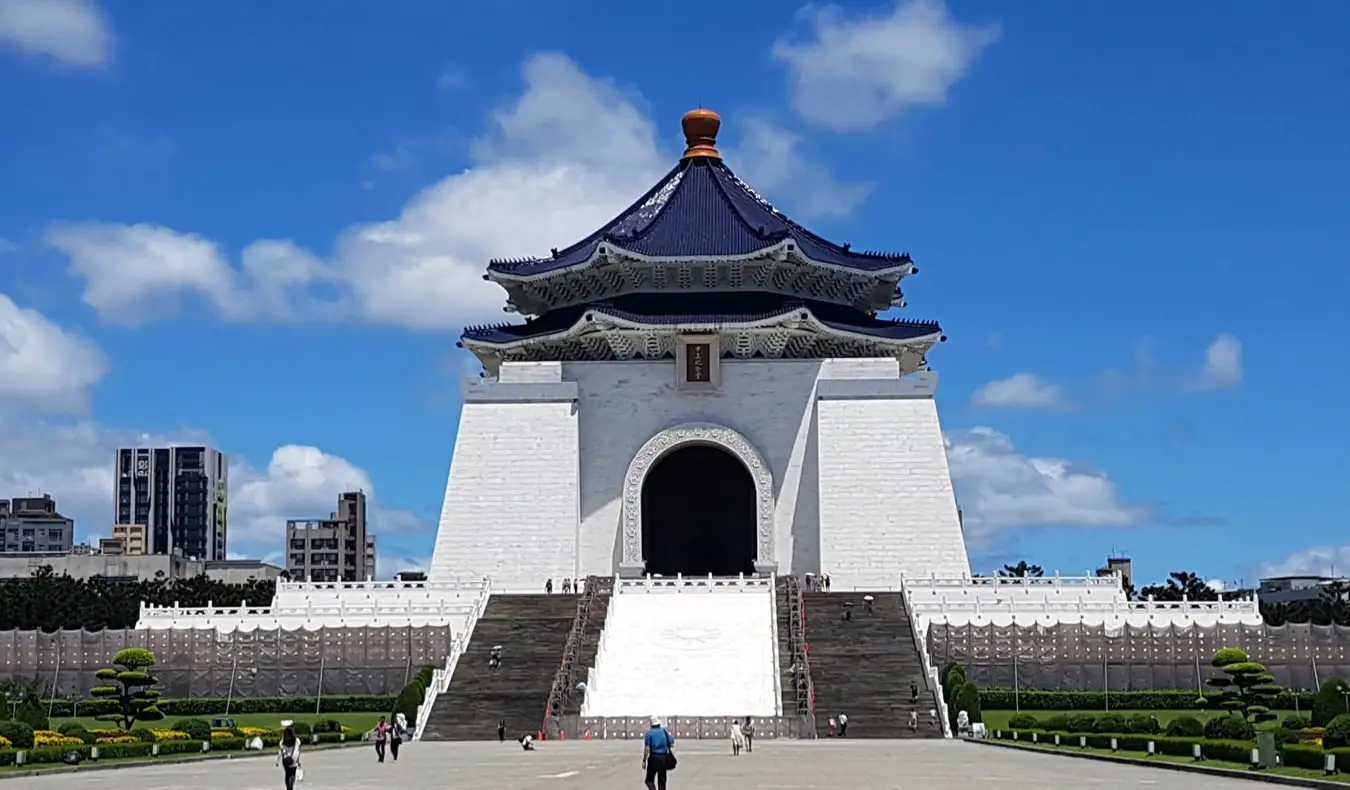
(264, 226)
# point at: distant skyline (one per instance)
(262, 228)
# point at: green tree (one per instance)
(1246, 688)
(1181, 584)
(136, 699)
(1022, 569)
(1330, 701)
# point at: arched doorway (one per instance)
(699, 514)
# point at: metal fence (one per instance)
(209, 663)
(682, 727)
(1089, 658)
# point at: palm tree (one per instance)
(1021, 570)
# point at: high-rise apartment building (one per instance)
(31, 524)
(180, 494)
(334, 549)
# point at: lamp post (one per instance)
(15, 699)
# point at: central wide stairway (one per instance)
(686, 648)
(532, 632)
(863, 667)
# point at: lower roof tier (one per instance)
(747, 325)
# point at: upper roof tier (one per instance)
(703, 229)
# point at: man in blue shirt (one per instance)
(657, 754)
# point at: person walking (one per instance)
(658, 754)
(381, 738)
(749, 731)
(397, 734)
(501, 730)
(288, 755)
(913, 692)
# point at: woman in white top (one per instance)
(737, 738)
(288, 755)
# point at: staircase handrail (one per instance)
(929, 671)
(559, 694)
(777, 658)
(440, 679)
(802, 684)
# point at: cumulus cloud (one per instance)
(1223, 363)
(73, 461)
(770, 158)
(1020, 391)
(43, 365)
(561, 160)
(1000, 488)
(74, 32)
(1316, 561)
(855, 73)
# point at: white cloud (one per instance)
(769, 157)
(73, 462)
(1223, 363)
(564, 158)
(42, 365)
(1020, 391)
(74, 32)
(1217, 585)
(999, 488)
(1316, 561)
(853, 74)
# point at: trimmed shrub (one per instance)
(968, 700)
(197, 729)
(71, 728)
(1110, 723)
(302, 729)
(1005, 699)
(1337, 734)
(1329, 702)
(1185, 727)
(17, 733)
(1142, 724)
(1023, 721)
(33, 716)
(207, 707)
(144, 735)
(1296, 723)
(1233, 727)
(1082, 722)
(1057, 723)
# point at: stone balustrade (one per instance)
(692, 584)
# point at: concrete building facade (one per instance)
(338, 548)
(181, 496)
(29, 524)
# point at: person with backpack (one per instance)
(288, 755)
(397, 734)
(658, 754)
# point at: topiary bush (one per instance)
(144, 735)
(1328, 702)
(1296, 723)
(302, 729)
(33, 716)
(968, 700)
(1142, 724)
(1110, 723)
(71, 728)
(1185, 727)
(1229, 728)
(1023, 721)
(196, 729)
(1057, 723)
(20, 735)
(1082, 722)
(1337, 734)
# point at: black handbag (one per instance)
(671, 762)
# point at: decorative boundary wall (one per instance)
(671, 439)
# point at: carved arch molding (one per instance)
(666, 442)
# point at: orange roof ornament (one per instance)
(700, 133)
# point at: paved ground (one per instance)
(614, 765)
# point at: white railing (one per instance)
(691, 584)
(777, 656)
(440, 679)
(1119, 607)
(920, 631)
(400, 588)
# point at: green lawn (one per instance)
(1144, 758)
(998, 719)
(360, 721)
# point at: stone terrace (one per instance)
(614, 765)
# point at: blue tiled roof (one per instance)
(708, 308)
(700, 208)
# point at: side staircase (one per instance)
(863, 667)
(793, 662)
(583, 643)
(532, 631)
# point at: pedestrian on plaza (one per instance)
(748, 729)
(843, 725)
(397, 734)
(288, 754)
(381, 732)
(658, 754)
(501, 730)
(737, 738)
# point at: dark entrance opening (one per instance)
(698, 514)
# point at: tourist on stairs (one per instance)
(913, 692)
(381, 738)
(658, 754)
(548, 587)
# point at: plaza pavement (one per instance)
(615, 765)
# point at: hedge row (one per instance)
(1007, 699)
(375, 703)
(1292, 755)
(57, 754)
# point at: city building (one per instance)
(179, 494)
(135, 538)
(1119, 566)
(1301, 589)
(338, 548)
(33, 524)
